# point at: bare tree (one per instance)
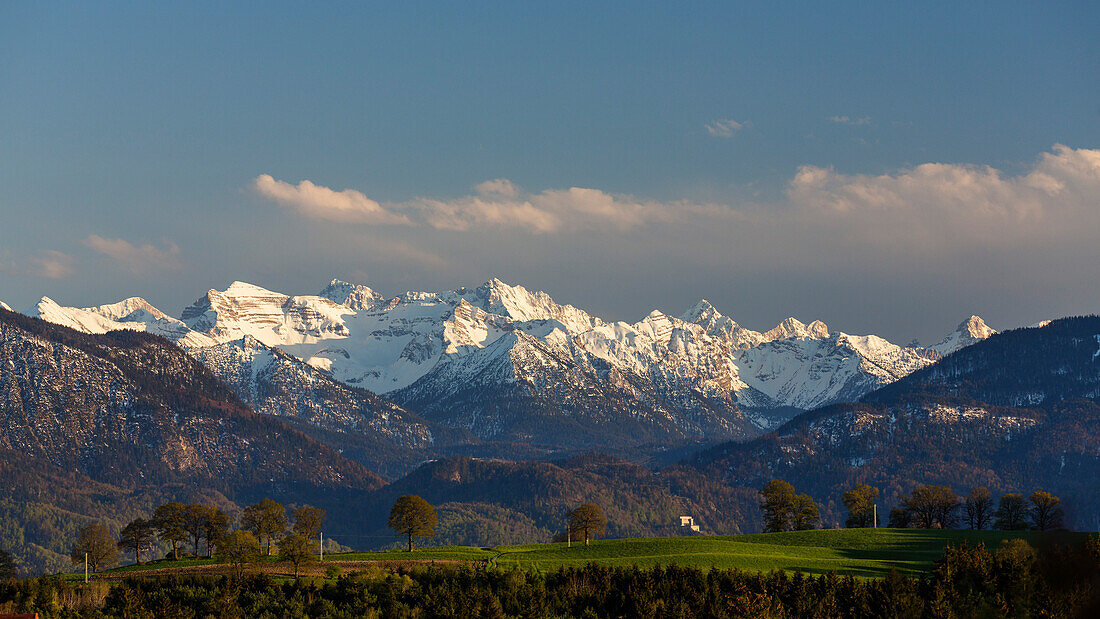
(1011, 512)
(979, 508)
(932, 507)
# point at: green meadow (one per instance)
(866, 553)
(855, 552)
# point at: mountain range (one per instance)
(106, 411)
(499, 370)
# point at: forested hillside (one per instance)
(933, 427)
(101, 426)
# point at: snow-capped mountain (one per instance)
(509, 364)
(970, 331)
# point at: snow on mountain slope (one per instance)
(134, 314)
(807, 372)
(354, 296)
(275, 383)
(519, 388)
(968, 332)
(425, 347)
(5, 306)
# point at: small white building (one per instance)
(689, 521)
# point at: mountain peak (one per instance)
(239, 288)
(131, 309)
(702, 310)
(354, 296)
(795, 328)
(968, 332)
(5, 306)
(975, 327)
(497, 286)
(45, 302)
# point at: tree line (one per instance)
(264, 529)
(209, 531)
(926, 507)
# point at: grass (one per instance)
(867, 553)
(856, 552)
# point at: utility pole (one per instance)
(322, 546)
(85, 568)
(568, 538)
(876, 514)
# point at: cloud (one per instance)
(846, 120)
(47, 263)
(931, 205)
(496, 203)
(549, 211)
(498, 187)
(725, 128)
(137, 259)
(321, 202)
(940, 203)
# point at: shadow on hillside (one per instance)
(915, 553)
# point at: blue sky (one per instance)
(132, 137)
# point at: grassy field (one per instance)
(868, 553)
(856, 552)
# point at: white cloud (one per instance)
(498, 187)
(847, 120)
(497, 203)
(321, 202)
(932, 205)
(725, 128)
(137, 259)
(47, 263)
(940, 203)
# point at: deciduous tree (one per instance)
(97, 542)
(1011, 513)
(217, 523)
(777, 500)
(805, 515)
(238, 549)
(932, 507)
(298, 550)
(586, 522)
(266, 520)
(137, 537)
(168, 520)
(193, 520)
(786, 510)
(412, 517)
(979, 508)
(860, 502)
(1046, 511)
(308, 521)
